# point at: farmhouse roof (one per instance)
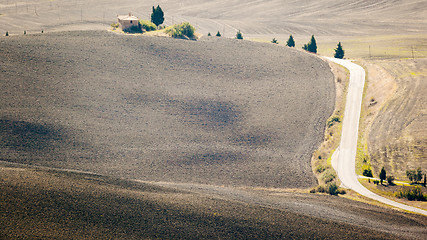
(127, 17)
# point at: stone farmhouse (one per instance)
(127, 21)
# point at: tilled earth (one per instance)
(215, 111)
(38, 203)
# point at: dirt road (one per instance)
(344, 159)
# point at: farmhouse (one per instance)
(127, 21)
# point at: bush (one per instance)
(411, 193)
(274, 41)
(331, 188)
(7, 34)
(115, 25)
(133, 29)
(333, 120)
(328, 175)
(239, 35)
(218, 34)
(390, 180)
(320, 169)
(209, 34)
(183, 30)
(147, 25)
(367, 173)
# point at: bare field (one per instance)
(398, 136)
(213, 111)
(254, 18)
(43, 203)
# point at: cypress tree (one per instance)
(383, 175)
(312, 46)
(339, 52)
(239, 35)
(157, 17)
(290, 42)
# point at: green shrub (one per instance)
(115, 25)
(274, 41)
(7, 34)
(332, 188)
(239, 35)
(411, 193)
(183, 30)
(328, 175)
(133, 29)
(320, 169)
(147, 25)
(367, 173)
(332, 121)
(390, 180)
(209, 34)
(218, 34)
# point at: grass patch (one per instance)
(184, 31)
(147, 25)
(322, 157)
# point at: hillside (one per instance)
(51, 204)
(215, 111)
(253, 17)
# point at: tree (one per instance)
(218, 34)
(274, 41)
(312, 46)
(383, 175)
(410, 174)
(425, 180)
(239, 35)
(419, 175)
(339, 52)
(291, 42)
(415, 176)
(157, 17)
(305, 47)
(209, 34)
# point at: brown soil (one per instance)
(216, 111)
(271, 18)
(43, 203)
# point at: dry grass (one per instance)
(388, 192)
(321, 159)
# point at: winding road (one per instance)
(343, 159)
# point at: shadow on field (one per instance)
(29, 136)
